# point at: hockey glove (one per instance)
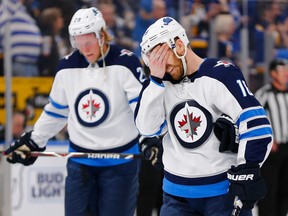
(227, 133)
(152, 151)
(247, 183)
(18, 152)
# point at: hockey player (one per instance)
(95, 92)
(204, 167)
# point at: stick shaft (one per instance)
(84, 155)
(237, 207)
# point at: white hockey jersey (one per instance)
(193, 165)
(97, 103)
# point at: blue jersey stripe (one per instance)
(134, 100)
(159, 132)
(54, 114)
(198, 191)
(251, 113)
(256, 132)
(57, 105)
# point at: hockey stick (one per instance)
(237, 207)
(83, 155)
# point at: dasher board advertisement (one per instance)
(39, 189)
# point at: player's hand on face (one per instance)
(158, 59)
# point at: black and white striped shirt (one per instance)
(275, 103)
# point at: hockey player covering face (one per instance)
(163, 59)
(196, 104)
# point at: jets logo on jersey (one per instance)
(126, 52)
(224, 63)
(191, 123)
(91, 107)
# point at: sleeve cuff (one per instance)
(156, 80)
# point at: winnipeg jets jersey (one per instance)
(193, 165)
(96, 100)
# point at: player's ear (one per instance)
(101, 39)
(180, 47)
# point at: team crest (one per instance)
(91, 108)
(191, 123)
(224, 63)
(126, 52)
(167, 20)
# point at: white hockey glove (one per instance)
(18, 152)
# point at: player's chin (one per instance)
(176, 76)
(91, 58)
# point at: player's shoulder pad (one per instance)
(222, 70)
(124, 57)
(73, 60)
(227, 74)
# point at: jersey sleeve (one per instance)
(54, 116)
(150, 111)
(232, 97)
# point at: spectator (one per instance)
(116, 26)
(125, 6)
(68, 8)
(150, 10)
(191, 21)
(25, 38)
(271, 18)
(53, 44)
(197, 23)
(213, 8)
(19, 123)
(283, 31)
(172, 8)
(274, 98)
(281, 50)
(94, 92)
(224, 29)
(233, 7)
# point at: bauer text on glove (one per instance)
(247, 183)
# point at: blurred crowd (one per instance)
(250, 33)
(39, 34)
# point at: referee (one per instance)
(274, 98)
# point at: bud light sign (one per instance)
(46, 184)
